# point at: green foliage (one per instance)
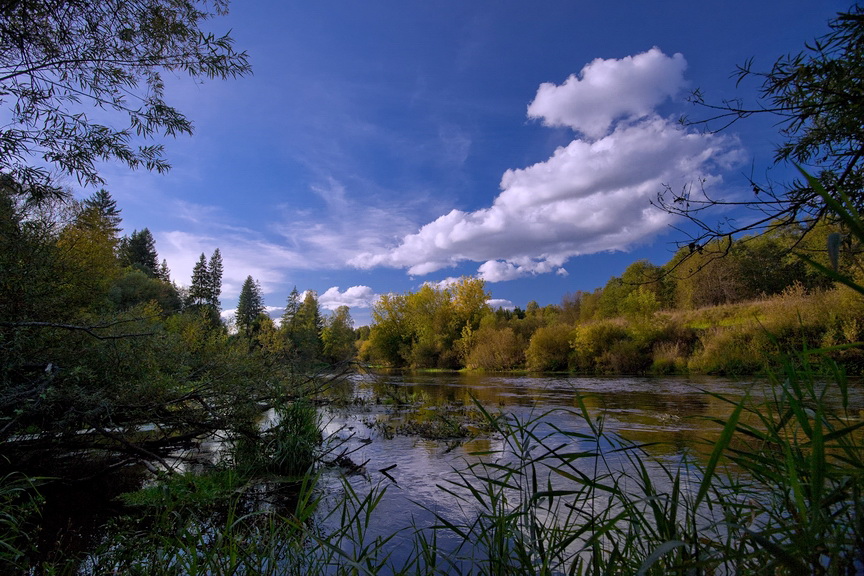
(291, 444)
(92, 353)
(815, 95)
(139, 251)
(304, 330)
(592, 341)
(820, 95)
(199, 491)
(337, 337)
(641, 277)
(424, 329)
(135, 287)
(250, 306)
(549, 349)
(805, 454)
(672, 346)
(389, 336)
(496, 349)
(207, 282)
(735, 350)
(19, 504)
(214, 279)
(288, 448)
(640, 305)
(121, 49)
(105, 206)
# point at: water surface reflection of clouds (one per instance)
(669, 415)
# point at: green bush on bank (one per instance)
(730, 338)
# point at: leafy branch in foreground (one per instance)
(65, 64)
(817, 98)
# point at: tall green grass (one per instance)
(19, 507)
(779, 493)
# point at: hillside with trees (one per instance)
(723, 309)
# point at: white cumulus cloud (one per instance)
(606, 90)
(592, 195)
(496, 303)
(353, 297)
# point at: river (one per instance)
(410, 434)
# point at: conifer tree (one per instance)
(250, 306)
(106, 207)
(139, 251)
(291, 308)
(214, 271)
(199, 291)
(164, 273)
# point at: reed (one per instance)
(19, 505)
(780, 493)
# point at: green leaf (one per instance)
(719, 447)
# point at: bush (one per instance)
(732, 351)
(592, 340)
(549, 349)
(496, 349)
(624, 357)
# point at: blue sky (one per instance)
(379, 145)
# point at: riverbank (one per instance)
(548, 454)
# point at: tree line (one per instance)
(97, 340)
(708, 309)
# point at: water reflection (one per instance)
(667, 410)
(669, 417)
(373, 419)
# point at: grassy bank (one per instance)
(780, 493)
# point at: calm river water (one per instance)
(407, 434)
(392, 423)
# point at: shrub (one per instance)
(496, 349)
(625, 356)
(733, 350)
(549, 348)
(592, 340)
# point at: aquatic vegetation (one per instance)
(778, 492)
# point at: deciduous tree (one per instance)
(58, 60)
(306, 329)
(338, 336)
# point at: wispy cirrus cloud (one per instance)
(292, 240)
(592, 195)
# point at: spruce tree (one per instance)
(250, 305)
(214, 271)
(199, 292)
(164, 273)
(106, 207)
(139, 251)
(288, 326)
